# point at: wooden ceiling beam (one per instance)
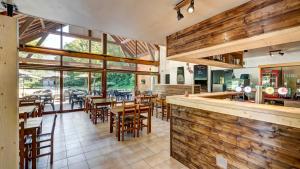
(42, 50)
(124, 48)
(26, 25)
(126, 41)
(42, 24)
(37, 34)
(150, 52)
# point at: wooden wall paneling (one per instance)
(8, 93)
(250, 19)
(199, 135)
(169, 90)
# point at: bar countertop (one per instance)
(288, 116)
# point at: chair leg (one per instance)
(122, 132)
(52, 104)
(51, 156)
(26, 158)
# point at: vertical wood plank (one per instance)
(8, 93)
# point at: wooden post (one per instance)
(8, 93)
(104, 73)
(136, 68)
(61, 73)
(90, 74)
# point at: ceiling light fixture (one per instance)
(179, 15)
(190, 9)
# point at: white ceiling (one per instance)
(147, 20)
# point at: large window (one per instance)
(121, 65)
(40, 73)
(40, 85)
(120, 85)
(96, 84)
(74, 90)
(82, 62)
(41, 59)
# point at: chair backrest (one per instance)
(53, 127)
(21, 144)
(113, 103)
(143, 108)
(128, 109)
(145, 100)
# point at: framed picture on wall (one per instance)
(180, 75)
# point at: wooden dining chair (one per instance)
(152, 103)
(142, 109)
(127, 121)
(42, 138)
(160, 104)
(21, 145)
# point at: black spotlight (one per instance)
(10, 8)
(179, 15)
(190, 9)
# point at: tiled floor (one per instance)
(81, 145)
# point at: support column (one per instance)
(104, 73)
(9, 137)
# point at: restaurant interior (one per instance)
(109, 85)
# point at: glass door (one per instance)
(75, 88)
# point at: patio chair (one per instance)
(75, 99)
(49, 99)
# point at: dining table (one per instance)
(97, 103)
(32, 126)
(26, 110)
(88, 102)
(118, 110)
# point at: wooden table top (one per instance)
(26, 109)
(102, 100)
(119, 109)
(32, 123)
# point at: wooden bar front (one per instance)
(198, 136)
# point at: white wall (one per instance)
(170, 67)
(252, 63)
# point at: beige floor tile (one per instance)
(140, 165)
(79, 144)
(80, 165)
(169, 164)
(76, 159)
(157, 158)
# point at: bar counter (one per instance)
(245, 135)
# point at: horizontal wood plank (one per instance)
(248, 20)
(197, 136)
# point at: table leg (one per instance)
(34, 150)
(119, 132)
(149, 123)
